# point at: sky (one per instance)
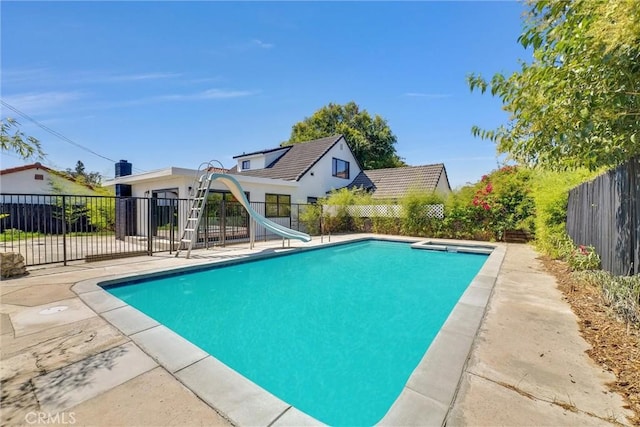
(165, 84)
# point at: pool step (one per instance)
(453, 247)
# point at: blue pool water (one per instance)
(335, 332)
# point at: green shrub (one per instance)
(13, 234)
(386, 225)
(102, 215)
(310, 217)
(550, 193)
(583, 258)
(416, 219)
(336, 217)
(508, 198)
(502, 201)
(498, 202)
(337, 221)
(458, 222)
(620, 293)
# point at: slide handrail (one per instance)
(236, 189)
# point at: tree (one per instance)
(80, 175)
(370, 139)
(79, 168)
(577, 104)
(17, 142)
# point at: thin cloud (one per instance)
(428, 95)
(261, 44)
(210, 94)
(243, 46)
(37, 102)
(37, 75)
(139, 77)
(99, 77)
(207, 94)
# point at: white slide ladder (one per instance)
(190, 231)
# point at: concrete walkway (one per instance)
(528, 366)
(62, 363)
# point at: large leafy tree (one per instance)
(370, 138)
(14, 140)
(577, 104)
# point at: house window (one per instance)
(277, 205)
(39, 177)
(340, 168)
(246, 164)
(312, 200)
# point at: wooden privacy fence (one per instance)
(605, 213)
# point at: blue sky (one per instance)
(178, 83)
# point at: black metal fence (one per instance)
(49, 229)
(605, 213)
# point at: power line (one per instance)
(53, 132)
(56, 133)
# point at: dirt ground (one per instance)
(614, 345)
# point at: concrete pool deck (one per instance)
(527, 364)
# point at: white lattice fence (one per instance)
(434, 211)
(388, 211)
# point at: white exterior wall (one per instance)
(322, 181)
(260, 160)
(256, 162)
(147, 188)
(24, 182)
(261, 186)
(143, 185)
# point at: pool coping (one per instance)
(425, 400)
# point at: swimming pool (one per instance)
(335, 332)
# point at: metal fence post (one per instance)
(321, 224)
(172, 210)
(223, 222)
(64, 230)
(149, 226)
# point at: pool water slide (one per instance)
(236, 189)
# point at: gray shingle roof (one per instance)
(393, 183)
(265, 151)
(298, 159)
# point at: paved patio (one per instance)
(527, 364)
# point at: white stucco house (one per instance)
(299, 173)
(39, 179)
(30, 198)
(277, 182)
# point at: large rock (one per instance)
(11, 265)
